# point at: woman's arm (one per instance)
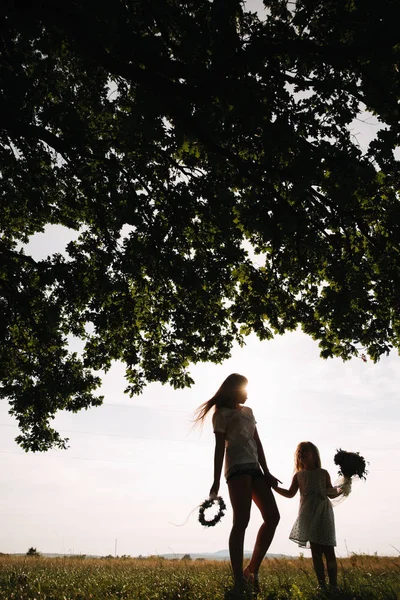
(292, 491)
(273, 481)
(218, 460)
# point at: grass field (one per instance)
(22, 578)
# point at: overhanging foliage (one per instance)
(196, 130)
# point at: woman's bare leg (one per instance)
(265, 501)
(331, 564)
(240, 492)
(316, 553)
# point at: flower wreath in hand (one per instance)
(208, 504)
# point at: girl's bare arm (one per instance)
(218, 460)
(291, 492)
(331, 492)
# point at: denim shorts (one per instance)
(251, 469)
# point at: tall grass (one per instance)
(22, 578)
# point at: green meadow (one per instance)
(361, 577)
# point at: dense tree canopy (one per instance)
(205, 156)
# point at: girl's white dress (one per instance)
(315, 522)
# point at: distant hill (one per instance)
(220, 555)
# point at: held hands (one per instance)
(271, 480)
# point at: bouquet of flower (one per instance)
(350, 464)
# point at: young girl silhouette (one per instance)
(315, 524)
(246, 473)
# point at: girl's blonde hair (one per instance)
(227, 392)
(298, 460)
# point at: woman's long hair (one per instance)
(227, 392)
(298, 455)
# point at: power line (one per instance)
(171, 410)
(277, 417)
(120, 435)
(65, 456)
(156, 439)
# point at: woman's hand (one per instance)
(271, 480)
(214, 489)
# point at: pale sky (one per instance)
(135, 466)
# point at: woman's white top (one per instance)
(238, 425)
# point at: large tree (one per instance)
(175, 137)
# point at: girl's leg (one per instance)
(331, 564)
(316, 553)
(240, 496)
(265, 501)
